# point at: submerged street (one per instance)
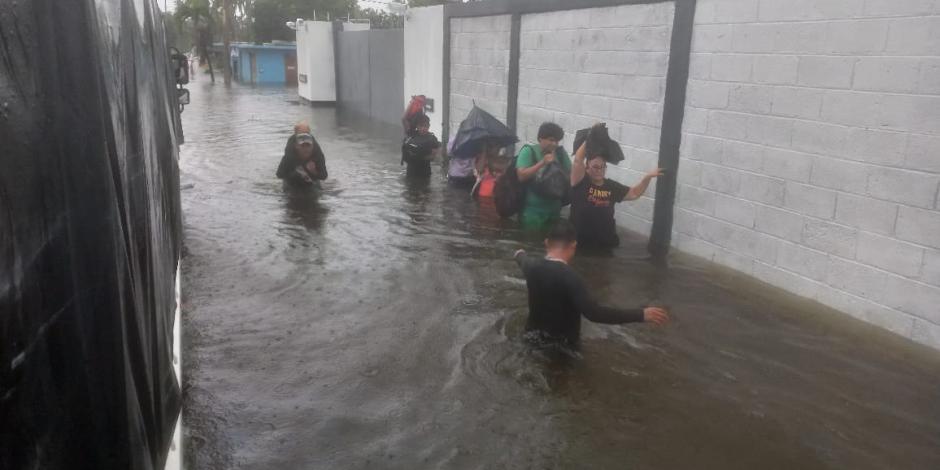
(377, 323)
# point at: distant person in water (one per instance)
(466, 172)
(558, 296)
(300, 128)
(419, 148)
(593, 197)
(303, 161)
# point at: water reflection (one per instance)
(302, 207)
(378, 322)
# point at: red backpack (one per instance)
(415, 107)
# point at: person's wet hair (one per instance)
(422, 120)
(562, 232)
(550, 130)
(498, 164)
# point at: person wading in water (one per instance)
(593, 197)
(558, 297)
(304, 163)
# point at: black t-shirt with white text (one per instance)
(592, 212)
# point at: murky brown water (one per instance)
(377, 324)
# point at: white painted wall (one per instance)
(479, 66)
(315, 59)
(578, 67)
(811, 152)
(424, 56)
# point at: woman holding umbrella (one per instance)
(480, 136)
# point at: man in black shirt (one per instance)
(303, 163)
(419, 148)
(558, 296)
(593, 197)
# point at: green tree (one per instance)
(199, 14)
(268, 17)
(424, 3)
(176, 36)
(382, 20)
(268, 20)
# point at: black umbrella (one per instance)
(479, 127)
(599, 143)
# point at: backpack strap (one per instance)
(536, 152)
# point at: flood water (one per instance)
(375, 323)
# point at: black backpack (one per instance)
(416, 148)
(509, 192)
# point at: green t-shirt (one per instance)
(535, 204)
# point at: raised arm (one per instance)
(479, 162)
(640, 188)
(577, 166)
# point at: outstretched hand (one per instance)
(656, 173)
(656, 315)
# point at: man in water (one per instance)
(420, 148)
(541, 212)
(558, 296)
(593, 197)
(305, 164)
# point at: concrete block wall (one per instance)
(578, 67)
(479, 66)
(811, 152)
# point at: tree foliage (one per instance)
(381, 19)
(268, 16)
(424, 3)
(199, 22)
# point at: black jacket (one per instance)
(287, 169)
(558, 298)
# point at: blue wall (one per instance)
(244, 72)
(270, 65)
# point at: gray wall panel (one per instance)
(387, 74)
(371, 73)
(353, 61)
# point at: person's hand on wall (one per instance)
(655, 315)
